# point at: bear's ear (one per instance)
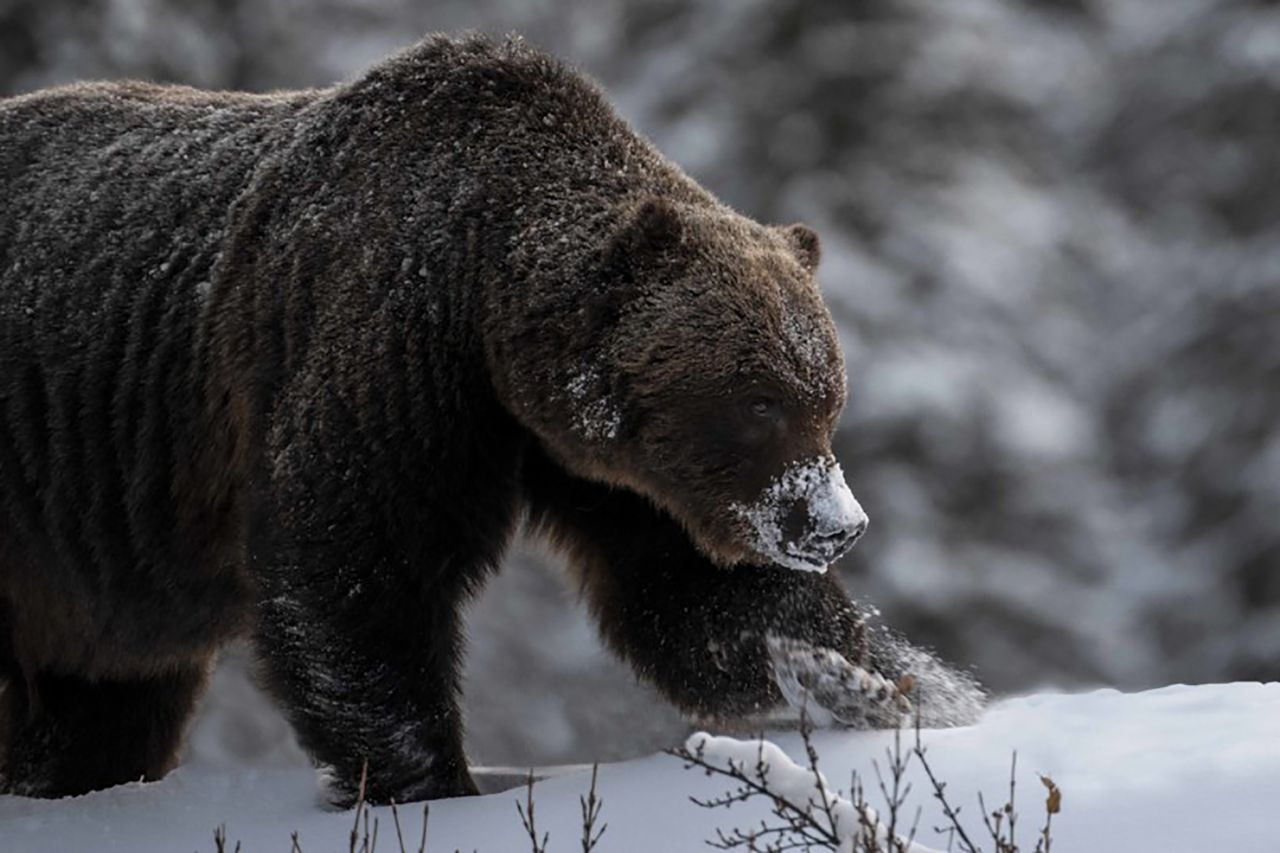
(653, 229)
(804, 243)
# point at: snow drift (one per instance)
(1175, 769)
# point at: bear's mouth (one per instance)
(806, 518)
(816, 560)
(803, 562)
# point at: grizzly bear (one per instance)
(298, 365)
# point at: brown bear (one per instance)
(298, 365)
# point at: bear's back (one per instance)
(81, 163)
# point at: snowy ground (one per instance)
(1181, 768)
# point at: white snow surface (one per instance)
(1175, 769)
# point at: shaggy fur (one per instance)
(296, 364)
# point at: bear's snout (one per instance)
(807, 518)
(834, 520)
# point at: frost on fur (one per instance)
(595, 415)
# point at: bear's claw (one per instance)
(829, 689)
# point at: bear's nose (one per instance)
(835, 543)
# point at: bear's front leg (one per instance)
(733, 642)
(369, 680)
(365, 554)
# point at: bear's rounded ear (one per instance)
(804, 243)
(654, 228)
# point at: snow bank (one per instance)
(803, 789)
(1176, 769)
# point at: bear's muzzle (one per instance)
(807, 518)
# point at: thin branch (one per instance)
(591, 806)
(527, 819)
(939, 793)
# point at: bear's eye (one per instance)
(764, 407)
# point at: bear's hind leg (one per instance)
(65, 735)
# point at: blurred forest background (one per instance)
(1052, 243)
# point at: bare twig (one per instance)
(1052, 805)
(591, 805)
(363, 837)
(220, 840)
(1011, 810)
(955, 828)
(896, 793)
(815, 823)
(395, 817)
(995, 821)
(799, 825)
(527, 820)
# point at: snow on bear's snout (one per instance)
(806, 518)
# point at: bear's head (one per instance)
(702, 370)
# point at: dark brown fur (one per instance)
(297, 363)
